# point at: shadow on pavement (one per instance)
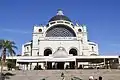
(7, 75)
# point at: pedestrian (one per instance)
(100, 77)
(91, 78)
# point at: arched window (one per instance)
(81, 41)
(27, 49)
(47, 52)
(37, 53)
(92, 48)
(73, 51)
(60, 31)
(38, 41)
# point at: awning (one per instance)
(61, 59)
(47, 60)
(30, 60)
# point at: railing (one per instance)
(60, 38)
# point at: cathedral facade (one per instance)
(60, 38)
(60, 33)
(61, 44)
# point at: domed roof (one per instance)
(59, 16)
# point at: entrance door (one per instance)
(60, 65)
(72, 65)
(49, 65)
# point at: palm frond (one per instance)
(11, 52)
(12, 43)
(9, 45)
(15, 47)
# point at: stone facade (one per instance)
(60, 33)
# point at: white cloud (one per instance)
(16, 31)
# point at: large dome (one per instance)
(59, 16)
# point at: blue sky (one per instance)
(102, 17)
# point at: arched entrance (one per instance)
(47, 52)
(72, 65)
(73, 51)
(60, 65)
(49, 65)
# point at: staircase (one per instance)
(56, 74)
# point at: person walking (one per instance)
(100, 77)
(91, 78)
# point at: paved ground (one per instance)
(56, 74)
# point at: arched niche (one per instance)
(73, 51)
(47, 52)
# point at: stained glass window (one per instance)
(60, 31)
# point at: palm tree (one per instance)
(7, 47)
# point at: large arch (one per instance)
(47, 52)
(60, 30)
(73, 51)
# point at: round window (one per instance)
(79, 30)
(40, 30)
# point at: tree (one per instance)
(11, 63)
(7, 48)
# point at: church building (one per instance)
(61, 44)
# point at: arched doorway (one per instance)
(73, 51)
(47, 52)
(60, 65)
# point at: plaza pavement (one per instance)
(107, 74)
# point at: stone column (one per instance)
(76, 64)
(46, 65)
(104, 63)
